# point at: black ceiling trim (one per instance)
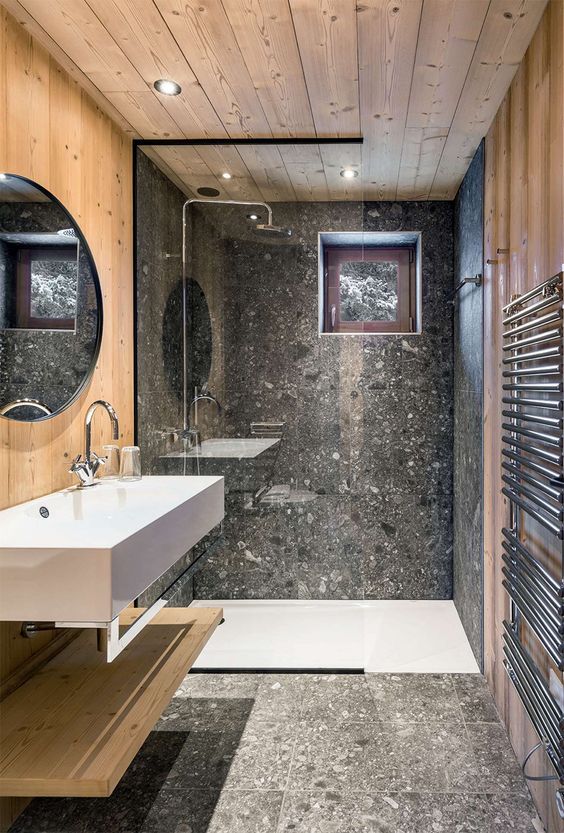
(285, 141)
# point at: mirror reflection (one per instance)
(50, 304)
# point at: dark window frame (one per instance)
(24, 318)
(335, 255)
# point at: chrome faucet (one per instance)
(86, 469)
(192, 433)
(209, 398)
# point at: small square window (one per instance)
(368, 287)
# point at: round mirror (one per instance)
(50, 304)
(198, 335)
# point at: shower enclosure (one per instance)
(336, 449)
(213, 455)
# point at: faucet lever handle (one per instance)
(96, 461)
(76, 463)
(82, 470)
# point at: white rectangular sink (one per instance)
(229, 448)
(83, 555)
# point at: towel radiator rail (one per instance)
(532, 475)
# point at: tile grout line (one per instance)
(286, 789)
(468, 723)
(378, 791)
(461, 710)
(467, 735)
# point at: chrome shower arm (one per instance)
(227, 202)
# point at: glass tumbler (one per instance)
(130, 466)
(110, 471)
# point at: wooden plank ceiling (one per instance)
(419, 80)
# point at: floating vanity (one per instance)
(79, 558)
(82, 555)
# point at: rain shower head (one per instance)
(264, 228)
(273, 231)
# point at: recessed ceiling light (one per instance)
(348, 173)
(226, 175)
(166, 87)
(253, 216)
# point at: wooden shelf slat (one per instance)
(74, 728)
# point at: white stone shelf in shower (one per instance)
(236, 448)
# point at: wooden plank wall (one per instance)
(524, 190)
(52, 132)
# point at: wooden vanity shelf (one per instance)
(76, 725)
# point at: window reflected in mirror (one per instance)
(46, 287)
(50, 303)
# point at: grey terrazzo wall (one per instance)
(468, 380)
(368, 438)
(159, 330)
(367, 448)
(159, 308)
(159, 371)
(6, 279)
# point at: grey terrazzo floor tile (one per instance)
(366, 813)
(337, 698)
(415, 698)
(500, 772)
(328, 758)
(297, 753)
(205, 760)
(153, 763)
(201, 811)
(124, 811)
(430, 757)
(48, 815)
(511, 814)
(270, 695)
(205, 713)
(263, 756)
(333, 811)
(219, 685)
(208, 701)
(337, 812)
(365, 757)
(476, 701)
(250, 757)
(279, 696)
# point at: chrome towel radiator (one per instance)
(532, 548)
